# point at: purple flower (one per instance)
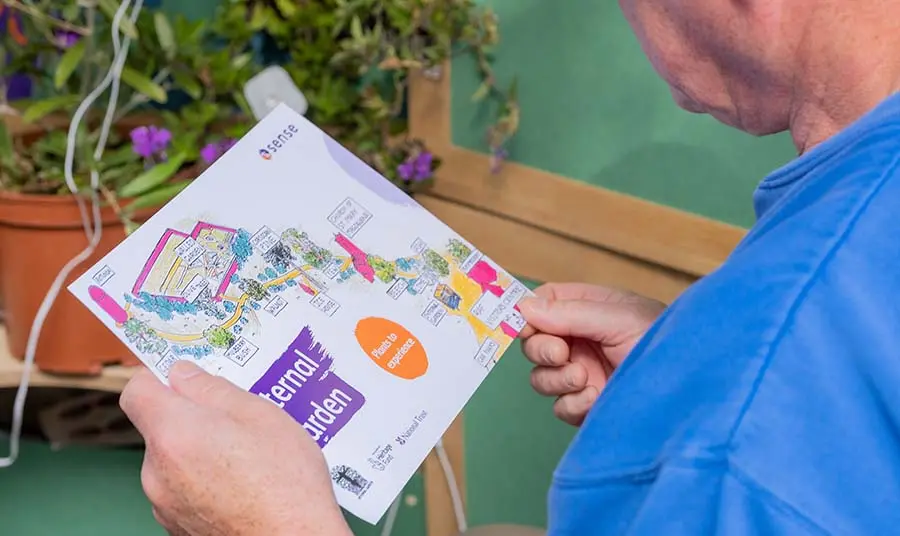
(423, 166)
(406, 170)
(212, 151)
(66, 39)
(417, 168)
(150, 141)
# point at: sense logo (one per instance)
(278, 142)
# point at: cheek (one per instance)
(653, 34)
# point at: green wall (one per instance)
(97, 492)
(593, 110)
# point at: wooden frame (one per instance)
(533, 223)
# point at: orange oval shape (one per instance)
(392, 347)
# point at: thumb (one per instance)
(205, 389)
(597, 321)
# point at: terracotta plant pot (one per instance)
(39, 234)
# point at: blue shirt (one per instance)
(766, 399)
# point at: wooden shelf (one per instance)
(112, 379)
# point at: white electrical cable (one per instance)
(92, 223)
(455, 495)
(391, 517)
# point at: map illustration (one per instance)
(203, 290)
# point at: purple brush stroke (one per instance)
(308, 405)
(366, 176)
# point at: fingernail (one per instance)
(184, 370)
(532, 304)
(570, 379)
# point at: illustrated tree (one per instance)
(348, 479)
(253, 288)
(292, 237)
(317, 256)
(279, 256)
(385, 270)
(240, 246)
(436, 262)
(143, 337)
(458, 250)
(219, 337)
(205, 303)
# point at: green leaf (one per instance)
(188, 83)
(356, 28)
(241, 61)
(242, 103)
(153, 177)
(118, 157)
(6, 143)
(109, 8)
(164, 34)
(236, 131)
(259, 17)
(42, 108)
(68, 63)
(288, 8)
(481, 92)
(513, 91)
(71, 12)
(144, 85)
(158, 196)
(130, 226)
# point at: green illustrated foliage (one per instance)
(145, 338)
(458, 250)
(385, 270)
(436, 262)
(254, 289)
(219, 337)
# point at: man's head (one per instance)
(729, 58)
(749, 63)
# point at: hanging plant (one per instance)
(352, 59)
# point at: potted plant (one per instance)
(64, 49)
(352, 60)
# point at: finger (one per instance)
(527, 331)
(151, 483)
(146, 401)
(598, 366)
(577, 291)
(574, 407)
(557, 381)
(546, 350)
(595, 321)
(204, 389)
